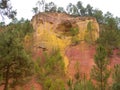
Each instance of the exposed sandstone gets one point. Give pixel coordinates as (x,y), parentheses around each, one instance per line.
(52,27)
(51,31)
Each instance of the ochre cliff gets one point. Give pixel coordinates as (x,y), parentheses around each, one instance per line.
(52,31)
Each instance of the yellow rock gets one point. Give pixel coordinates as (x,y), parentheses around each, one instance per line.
(52,31)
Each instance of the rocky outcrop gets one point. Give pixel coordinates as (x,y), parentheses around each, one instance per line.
(52,31)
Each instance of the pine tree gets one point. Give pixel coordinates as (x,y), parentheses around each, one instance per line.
(6,9)
(116,77)
(15,63)
(100,72)
(50,72)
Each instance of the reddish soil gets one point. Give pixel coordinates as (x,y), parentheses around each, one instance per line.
(115,59)
(38,54)
(31,85)
(84,55)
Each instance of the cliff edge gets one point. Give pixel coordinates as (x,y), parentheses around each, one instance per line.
(53,30)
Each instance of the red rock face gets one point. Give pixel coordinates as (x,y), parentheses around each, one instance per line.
(84,55)
(32,85)
(38,54)
(115,59)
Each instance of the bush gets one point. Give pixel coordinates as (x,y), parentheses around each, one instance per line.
(74,31)
(75,40)
(50,72)
(116,86)
(116,77)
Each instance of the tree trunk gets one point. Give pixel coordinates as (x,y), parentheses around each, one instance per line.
(101,77)
(6,79)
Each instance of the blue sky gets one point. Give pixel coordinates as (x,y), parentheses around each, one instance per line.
(24,7)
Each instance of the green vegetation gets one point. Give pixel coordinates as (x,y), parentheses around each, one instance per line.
(80,83)
(6,9)
(84,85)
(110,39)
(51,72)
(99,72)
(116,77)
(89,35)
(16,63)
(16,43)
(74,33)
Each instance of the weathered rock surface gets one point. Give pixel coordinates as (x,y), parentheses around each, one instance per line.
(51,31)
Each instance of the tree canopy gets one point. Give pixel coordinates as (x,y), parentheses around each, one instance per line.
(16,62)
(6,9)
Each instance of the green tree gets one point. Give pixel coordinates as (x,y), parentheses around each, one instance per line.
(117,19)
(69,8)
(110,39)
(79,82)
(110,21)
(100,72)
(89,10)
(2,24)
(72,9)
(79,5)
(51,71)
(89,37)
(75,11)
(81,9)
(74,33)
(116,77)
(61,10)
(6,9)
(35,10)
(50,7)
(70,84)
(40,5)
(16,63)
(84,85)
(14,21)
(98,14)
